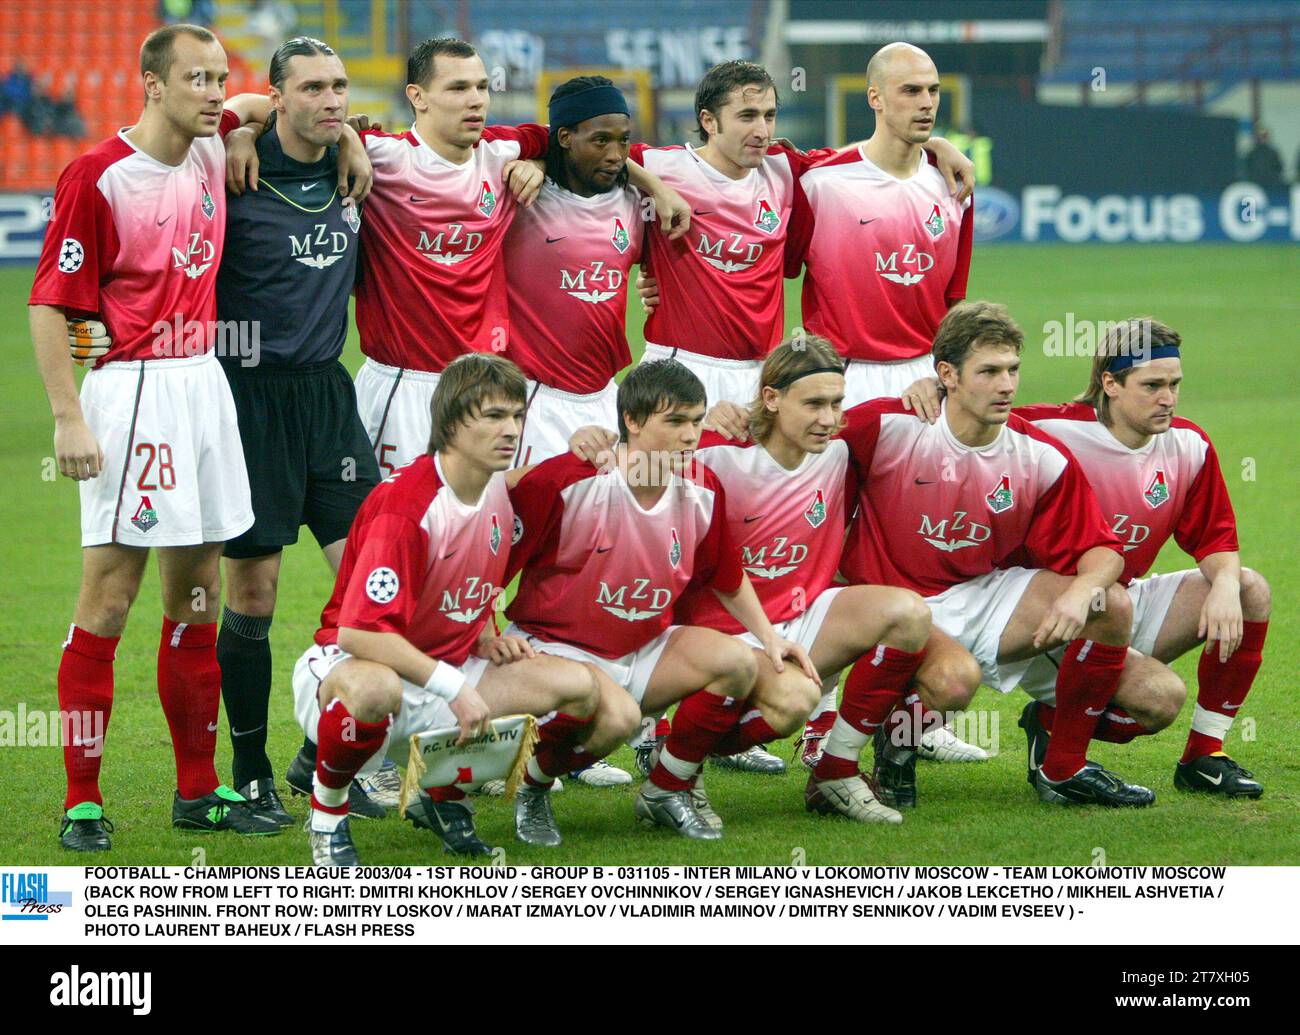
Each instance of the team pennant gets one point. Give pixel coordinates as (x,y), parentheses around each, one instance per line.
(435,759)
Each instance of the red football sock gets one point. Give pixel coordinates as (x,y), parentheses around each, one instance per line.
(86,701)
(189,685)
(701,721)
(1221,687)
(874,687)
(1046,715)
(909,720)
(820,725)
(662,728)
(1087,680)
(557,747)
(750,730)
(1116,726)
(343,744)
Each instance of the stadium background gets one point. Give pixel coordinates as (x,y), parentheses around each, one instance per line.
(1120,173)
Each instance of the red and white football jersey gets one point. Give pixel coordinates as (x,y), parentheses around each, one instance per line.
(421,563)
(934,512)
(1172,486)
(720,287)
(432,281)
(567,263)
(789,526)
(886,257)
(139,242)
(601,573)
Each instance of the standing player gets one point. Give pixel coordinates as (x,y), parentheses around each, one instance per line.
(993,522)
(887,250)
(607,553)
(291,257)
(1158,476)
(405,644)
(136,239)
(568,258)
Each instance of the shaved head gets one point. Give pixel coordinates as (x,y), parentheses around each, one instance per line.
(892,56)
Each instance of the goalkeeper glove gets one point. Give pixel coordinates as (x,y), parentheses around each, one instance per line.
(89,342)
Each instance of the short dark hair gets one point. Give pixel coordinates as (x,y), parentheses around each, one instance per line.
(556,169)
(159,48)
(969,324)
(720,80)
(420,65)
(299,46)
(656,386)
(465,384)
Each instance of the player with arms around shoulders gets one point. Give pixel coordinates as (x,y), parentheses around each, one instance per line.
(993,522)
(135,242)
(607,552)
(1156,476)
(407,642)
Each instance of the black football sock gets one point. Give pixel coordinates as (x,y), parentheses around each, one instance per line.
(244,653)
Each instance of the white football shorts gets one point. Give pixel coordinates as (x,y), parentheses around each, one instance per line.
(554,415)
(975,613)
(394,404)
(632,671)
(725,380)
(864,381)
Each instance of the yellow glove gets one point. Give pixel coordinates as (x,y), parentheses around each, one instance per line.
(88,341)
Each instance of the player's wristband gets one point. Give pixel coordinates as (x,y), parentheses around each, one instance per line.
(446,682)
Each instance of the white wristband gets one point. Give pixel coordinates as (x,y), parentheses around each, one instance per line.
(446,682)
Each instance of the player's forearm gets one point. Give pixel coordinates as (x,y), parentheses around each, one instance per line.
(744,607)
(1098,569)
(643,179)
(389,649)
(50,339)
(940,148)
(1222,568)
(250,107)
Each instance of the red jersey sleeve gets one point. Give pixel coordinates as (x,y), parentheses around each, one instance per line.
(717,558)
(539,508)
(861,431)
(637,153)
(229,121)
(532,139)
(80,243)
(956,289)
(387,576)
(1207,524)
(1067,523)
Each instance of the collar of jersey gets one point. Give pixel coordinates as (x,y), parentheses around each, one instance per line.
(302,208)
(862,153)
(660,503)
(467,508)
(433,155)
(808,460)
(716,174)
(121,134)
(1112,440)
(568,197)
(957,443)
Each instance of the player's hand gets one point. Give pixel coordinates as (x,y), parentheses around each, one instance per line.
(241,159)
(76,449)
(923,398)
(472,713)
(778,648)
(594,444)
(647,289)
(361,123)
(356,176)
(1065,617)
(88,341)
(956,168)
(673,212)
(1221,620)
(729,420)
(525,178)
(502,650)
(787,144)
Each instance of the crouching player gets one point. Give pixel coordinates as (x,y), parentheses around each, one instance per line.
(606,554)
(404,644)
(1157,476)
(993,522)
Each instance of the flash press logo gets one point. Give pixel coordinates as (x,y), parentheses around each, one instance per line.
(75,987)
(27,896)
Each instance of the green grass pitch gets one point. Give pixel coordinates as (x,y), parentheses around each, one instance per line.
(1235,306)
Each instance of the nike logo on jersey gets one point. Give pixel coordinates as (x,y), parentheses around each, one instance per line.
(704,212)
(419,201)
(446,556)
(162,222)
(752,517)
(920,481)
(864,222)
(307,186)
(552,240)
(603,549)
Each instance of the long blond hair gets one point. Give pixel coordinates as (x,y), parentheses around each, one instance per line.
(798,354)
(1135,336)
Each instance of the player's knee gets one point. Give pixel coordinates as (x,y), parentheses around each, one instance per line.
(1256,596)
(369,694)
(582,693)
(1114,621)
(909,625)
(738,666)
(948,685)
(252,596)
(621,715)
(787,700)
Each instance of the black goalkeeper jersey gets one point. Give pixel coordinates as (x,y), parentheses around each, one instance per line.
(290,259)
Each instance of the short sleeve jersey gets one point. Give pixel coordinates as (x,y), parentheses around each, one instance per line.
(1172,486)
(567,265)
(934,512)
(788,525)
(600,572)
(433,279)
(421,563)
(139,243)
(885,257)
(720,286)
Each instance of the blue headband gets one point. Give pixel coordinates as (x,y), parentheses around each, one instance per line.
(1130,359)
(573,108)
